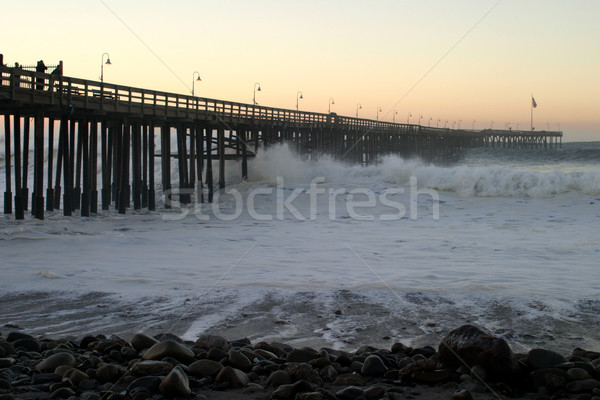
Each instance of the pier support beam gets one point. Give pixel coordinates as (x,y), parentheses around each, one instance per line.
(37,205)
(7,160)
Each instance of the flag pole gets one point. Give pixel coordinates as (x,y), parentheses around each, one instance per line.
(531,111)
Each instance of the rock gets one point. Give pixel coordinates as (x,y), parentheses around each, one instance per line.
(400,348)
(151,367)
(62,393)
(373,366)
(585,385)
(290,391)
(430,377)
(474,347)
(305,372)
(462,394)
(541,358)
(303,355)
(234,378)
(577,374)
(217,354)
(149,384)
(204,368)
(75,375)
(212,341)
(7,348)
(551,378)
(176,384)
(421,365)
(109,373)
(278,378)
(27,345)
(350,380)
(374,392)
(349,393)
(237,359)
(55,360)
(43,378)
(139,341)
(6,362)
(309,396)
(169,348)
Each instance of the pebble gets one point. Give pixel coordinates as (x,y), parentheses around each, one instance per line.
(577,374)
(139,341)
(169,348)
(176,384)
(56,360)
(151,367)
(234,378)
(373,366)
(238,360)
(542,358)
(462,394)
(585,385)
(204,368)
(349,393)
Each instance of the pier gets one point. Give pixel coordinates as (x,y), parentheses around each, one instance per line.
(118,133)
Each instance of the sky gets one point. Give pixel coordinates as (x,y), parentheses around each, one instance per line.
(473,63)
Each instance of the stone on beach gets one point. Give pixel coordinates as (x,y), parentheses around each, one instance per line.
(56,360)
(140,341)
(176,384)
(169,348)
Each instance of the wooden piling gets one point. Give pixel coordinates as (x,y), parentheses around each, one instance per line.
(37,205)
(25,166)
(7,170)
(50,166)
(151,190)
(209,169)
(221,154)
(93,173)
(84,167)
(199,161)
(19,206)
(67,133)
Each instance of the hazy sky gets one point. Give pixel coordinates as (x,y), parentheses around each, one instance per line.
(459,60)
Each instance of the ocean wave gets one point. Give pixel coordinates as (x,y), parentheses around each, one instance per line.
(467,181)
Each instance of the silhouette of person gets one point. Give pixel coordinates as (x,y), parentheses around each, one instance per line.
(41,67)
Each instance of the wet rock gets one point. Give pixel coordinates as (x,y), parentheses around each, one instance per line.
(204,368)
(151,367)
(75,375)
(462,394)
(212,341)
(62,393)
(430,377)
(303,355)
(175,384)
(169,348)
(373,366)
(586,385)
(577,374)
(374,392)
(290,391)
(27,345)
(350,380)
(349,393)
(56,360)
(541,358)
(234,378)
(421,365)
(6,362)
(39,379)
(552,378)
(476,347)
(278,378)
(309,396)
(109,373)
(304,372)
(237,359)
(7,348)
(217,354)
(139,341)
(149,384)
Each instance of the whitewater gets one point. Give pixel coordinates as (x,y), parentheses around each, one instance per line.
(398,251)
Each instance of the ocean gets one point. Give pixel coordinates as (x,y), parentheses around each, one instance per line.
(322,253)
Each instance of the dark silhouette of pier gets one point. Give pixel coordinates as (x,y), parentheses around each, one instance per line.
(120,126)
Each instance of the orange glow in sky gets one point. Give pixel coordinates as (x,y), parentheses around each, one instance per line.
(473,62)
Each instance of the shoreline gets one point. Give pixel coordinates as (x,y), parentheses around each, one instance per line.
(211,367)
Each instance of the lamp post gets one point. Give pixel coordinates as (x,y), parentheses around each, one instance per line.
(256,89)
(429,122)
(378,109)
(474,124)
(492,125)
(420,118)
(394,116)
(408,118)
(453,123)
(331,101)
(459,121)
(102,65)
(445,124)
(298,97)
(437,125)
(358,107)
(194,80)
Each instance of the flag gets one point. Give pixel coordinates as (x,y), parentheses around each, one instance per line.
(533,103)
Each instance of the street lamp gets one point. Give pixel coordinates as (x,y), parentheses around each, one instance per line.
(474,124)
(298,97)
(394,116)
(437,125)
(255,90)
(358,107)
(492,125)
(459,121)
(194,80)
(453,123)
(408,118)
(420,118)
(378,109)
(445,124)
(102,65)
(331,101)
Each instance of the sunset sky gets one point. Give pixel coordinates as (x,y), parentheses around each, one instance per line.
(460,60)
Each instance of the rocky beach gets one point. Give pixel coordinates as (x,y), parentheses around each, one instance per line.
(468,363)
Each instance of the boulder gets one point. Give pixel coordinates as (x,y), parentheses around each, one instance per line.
(471,345)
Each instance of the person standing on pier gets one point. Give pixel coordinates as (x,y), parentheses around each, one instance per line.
(41,67)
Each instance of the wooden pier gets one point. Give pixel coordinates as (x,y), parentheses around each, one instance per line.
(127,128)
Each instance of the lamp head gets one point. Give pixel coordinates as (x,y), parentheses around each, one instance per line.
(301,97)
(108,61)
(198,79)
